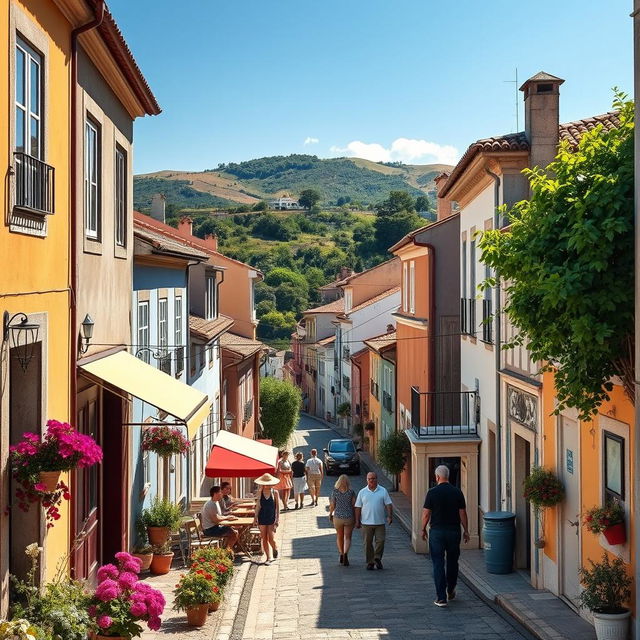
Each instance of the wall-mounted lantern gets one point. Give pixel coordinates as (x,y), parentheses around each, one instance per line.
(228,420)
(23,335)
(86,333)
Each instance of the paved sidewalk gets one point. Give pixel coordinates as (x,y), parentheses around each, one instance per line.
(544,615)
(306,594)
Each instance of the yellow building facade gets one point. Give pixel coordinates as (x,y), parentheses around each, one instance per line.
(35,256)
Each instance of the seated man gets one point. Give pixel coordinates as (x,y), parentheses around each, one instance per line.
(227,501)
(212,516)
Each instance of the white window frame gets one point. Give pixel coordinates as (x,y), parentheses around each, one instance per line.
(92,179)
(163,325)
(120,196)
(32,71)
(348,300)
(405,287)
(143,329)
(210,297)
(412,287)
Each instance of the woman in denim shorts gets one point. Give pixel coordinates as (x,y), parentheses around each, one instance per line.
(342,514)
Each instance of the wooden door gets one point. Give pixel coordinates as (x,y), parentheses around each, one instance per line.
(86,493)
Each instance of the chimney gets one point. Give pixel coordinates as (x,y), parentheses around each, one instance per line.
(390,328)
(158,202)
(345,272)
(542,117)
(211,240)
(185,227)
(444,209)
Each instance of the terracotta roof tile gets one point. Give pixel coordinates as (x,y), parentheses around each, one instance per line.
(209,329)
(335,306)
(240,345)
(573,131)
(380,296)
(381,342)
(327,341)
(164,243)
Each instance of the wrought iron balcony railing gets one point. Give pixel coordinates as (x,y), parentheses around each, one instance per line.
(444,413)
(487,321)
(179,360)
(34,184)
(468,316)
(164,362)
(386,401)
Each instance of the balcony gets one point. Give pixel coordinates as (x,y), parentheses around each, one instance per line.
(164,362)
(468,316)
(179,361)
(445,414)
(346,353)
(386,402)
(34,183)
(487,321)
(346,383)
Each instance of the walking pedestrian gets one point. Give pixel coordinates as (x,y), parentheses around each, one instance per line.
(283,469)
(342,513)
(445,510)
(314,476)
(372,508)
(299,480)
(267,513)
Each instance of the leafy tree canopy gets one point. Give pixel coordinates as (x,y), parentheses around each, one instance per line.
(280,404)
(279,275)
(568,263)
(397,202)
(309,198)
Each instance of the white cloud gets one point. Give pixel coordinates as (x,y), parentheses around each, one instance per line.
(309,140)
(407,150)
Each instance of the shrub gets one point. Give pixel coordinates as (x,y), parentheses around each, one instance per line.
(162,513)
(344,409)
(597,519)
(606,586)
(543,488)
(393,452)
(280,403)
(194,588)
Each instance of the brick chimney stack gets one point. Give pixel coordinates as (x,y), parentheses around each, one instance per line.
(542,117)
(443,209)
(211,240)
(345,272)
(185,227)
(158,202)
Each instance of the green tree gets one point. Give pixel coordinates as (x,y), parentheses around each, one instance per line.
(263,307)
(568,263)
(391,228)
(289,297)
(280,404)
(262,205)
(277,276)
(309,198)
(275,325)
(423,203)
(397,202)
(264,292)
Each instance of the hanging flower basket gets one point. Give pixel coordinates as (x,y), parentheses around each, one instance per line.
(542,488)
(37,462)
(165,441)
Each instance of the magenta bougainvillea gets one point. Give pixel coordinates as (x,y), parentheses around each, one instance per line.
(121,601)
(61,448)
(165,441)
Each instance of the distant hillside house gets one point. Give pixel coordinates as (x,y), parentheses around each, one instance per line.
(284,203)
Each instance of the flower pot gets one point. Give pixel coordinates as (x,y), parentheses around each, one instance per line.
(109,637)
(197,615)
(158,535)
(160,564)
(50,479)
(616,534)
(145,559)
(611,626)
(214,606)
(539,543)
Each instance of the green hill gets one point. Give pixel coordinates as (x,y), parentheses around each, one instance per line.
(349,179)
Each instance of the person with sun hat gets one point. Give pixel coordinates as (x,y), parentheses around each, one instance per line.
(267,513)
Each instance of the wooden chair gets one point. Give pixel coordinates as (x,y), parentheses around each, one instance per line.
(194,540)
(211,541)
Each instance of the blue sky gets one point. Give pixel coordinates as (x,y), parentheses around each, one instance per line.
(409,80)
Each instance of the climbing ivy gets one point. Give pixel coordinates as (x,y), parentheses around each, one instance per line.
(567,264)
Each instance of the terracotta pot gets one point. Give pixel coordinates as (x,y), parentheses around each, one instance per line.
(214,606)
(616,534)
(109,638)
(145,558)
(50,479)
(197,615)
(160,564)
(158,535)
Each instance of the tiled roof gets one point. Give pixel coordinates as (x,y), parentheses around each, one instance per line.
(163,243)
(410,236)
(569,131)
(381,342)
(336,306)
(209,329)
(367,303)
(240,345)
(355,276)
(327,341)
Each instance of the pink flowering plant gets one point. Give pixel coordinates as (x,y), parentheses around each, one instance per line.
(61,448)
(121,601)
(165,441)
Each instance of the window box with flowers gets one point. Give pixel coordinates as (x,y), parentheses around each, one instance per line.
(37,462)
(120,601)
(193,594)
(607,520)
(543,489)
(165,441)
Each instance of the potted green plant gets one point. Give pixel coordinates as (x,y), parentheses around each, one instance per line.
(165,441)
(142,549)
(192,594)
(608,520)
(393,452)
(161,560)
(217,562)
(607,587)
(543,489)
(18,629)
(161,518)
(344,409)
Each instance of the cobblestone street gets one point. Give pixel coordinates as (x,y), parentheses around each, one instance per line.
(307,594)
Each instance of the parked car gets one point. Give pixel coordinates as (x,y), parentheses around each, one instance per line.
(341,456)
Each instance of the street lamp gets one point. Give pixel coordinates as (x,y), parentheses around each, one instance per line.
(86,333)
(24,336)
(228,420)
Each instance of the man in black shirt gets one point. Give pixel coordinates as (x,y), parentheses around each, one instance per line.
(445,510)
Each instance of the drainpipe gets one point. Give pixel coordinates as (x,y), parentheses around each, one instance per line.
(496,315)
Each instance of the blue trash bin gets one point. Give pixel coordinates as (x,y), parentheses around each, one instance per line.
(499,536)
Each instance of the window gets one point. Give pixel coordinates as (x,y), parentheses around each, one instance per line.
(614,471)
(348,300)
(405,286)
(121,197)
(28,102)
(164,362)
(210,354)
(143,330)
(321,369)
(412,287)
(472,269)
(178,336)
(91,179)
(463,271)
(210,298)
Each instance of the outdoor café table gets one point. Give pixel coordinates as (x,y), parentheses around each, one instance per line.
(242,525)
(243,511)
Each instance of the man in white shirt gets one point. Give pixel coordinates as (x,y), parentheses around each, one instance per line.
(313,469)
(212,515)
(373,507)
